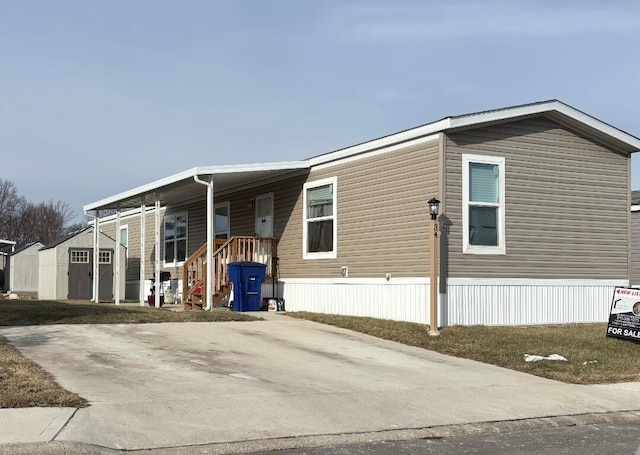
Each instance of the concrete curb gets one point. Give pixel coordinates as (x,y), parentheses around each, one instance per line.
(55,427)
(299,442)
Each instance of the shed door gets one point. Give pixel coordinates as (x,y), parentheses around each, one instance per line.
(80,274)
(105,259)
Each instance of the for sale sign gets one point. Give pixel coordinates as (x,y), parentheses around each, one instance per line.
(624,317)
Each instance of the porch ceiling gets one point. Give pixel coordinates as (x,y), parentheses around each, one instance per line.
(182,187)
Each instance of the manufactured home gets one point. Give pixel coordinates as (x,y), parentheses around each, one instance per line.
(533,224)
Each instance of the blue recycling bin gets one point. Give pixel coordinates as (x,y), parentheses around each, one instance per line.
(247,279)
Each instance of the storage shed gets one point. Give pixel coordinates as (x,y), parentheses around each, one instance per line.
(66,267)
(21,274)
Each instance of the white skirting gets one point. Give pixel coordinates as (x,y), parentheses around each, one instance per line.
(399,299)
(467,302)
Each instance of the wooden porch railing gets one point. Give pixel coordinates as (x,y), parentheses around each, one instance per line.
(236,249)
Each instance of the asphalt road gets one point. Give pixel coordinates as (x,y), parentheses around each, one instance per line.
(590,439)
(620,439)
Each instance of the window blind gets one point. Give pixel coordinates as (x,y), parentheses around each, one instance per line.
(483,183)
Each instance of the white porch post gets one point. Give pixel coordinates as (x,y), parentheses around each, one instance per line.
(157,238)
(210,221)
(143,250)
(210,227)
(117,271)
(96,257)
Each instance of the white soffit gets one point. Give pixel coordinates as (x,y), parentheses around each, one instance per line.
(224,177)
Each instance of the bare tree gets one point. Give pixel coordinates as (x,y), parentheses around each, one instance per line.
(25,222)
(45,222)
(11,208)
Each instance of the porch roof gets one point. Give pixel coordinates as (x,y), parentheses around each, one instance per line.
(225,178)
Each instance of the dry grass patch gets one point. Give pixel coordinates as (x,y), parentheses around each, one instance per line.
(24,384)
(39,312)
(616,360)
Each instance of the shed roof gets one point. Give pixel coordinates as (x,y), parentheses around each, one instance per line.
(26,247)
(71,235)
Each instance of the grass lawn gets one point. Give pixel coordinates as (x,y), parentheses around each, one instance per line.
(24,383)
(615,360)
(37,312)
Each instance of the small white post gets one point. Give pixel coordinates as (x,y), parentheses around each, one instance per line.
(211,215)
(157,282)
(143,250)
(118,246)
(96,258)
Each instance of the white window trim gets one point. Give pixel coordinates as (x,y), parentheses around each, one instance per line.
(105,254)
(125,227)
(226,204)
(74,260)
(501,248)
(324,254)
(164,239)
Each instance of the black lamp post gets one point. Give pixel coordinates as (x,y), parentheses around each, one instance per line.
(433,208)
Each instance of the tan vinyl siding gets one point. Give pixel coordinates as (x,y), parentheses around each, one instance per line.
(242,212)
(133,251)
(566,203)
(382,217)
(635,248)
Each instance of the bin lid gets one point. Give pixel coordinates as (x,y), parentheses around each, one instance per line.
(247,264)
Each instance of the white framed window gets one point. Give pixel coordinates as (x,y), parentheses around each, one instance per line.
(79,257)
(222,221)
(124,240)
(104,257)
(175,239)
(483,205)
(320,219)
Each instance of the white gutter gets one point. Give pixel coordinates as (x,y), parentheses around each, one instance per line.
(210,218)
(117,253)
(96,257)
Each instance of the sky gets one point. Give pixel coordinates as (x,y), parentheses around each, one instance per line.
(98,97)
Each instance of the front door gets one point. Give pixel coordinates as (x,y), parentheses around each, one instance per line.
(264,226)
(264,215)
(80,274)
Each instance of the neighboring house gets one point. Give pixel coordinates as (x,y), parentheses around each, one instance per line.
(22,271)
(635,238)
(66,268)
(534,208)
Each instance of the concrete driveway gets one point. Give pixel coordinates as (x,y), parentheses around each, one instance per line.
(178,384)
